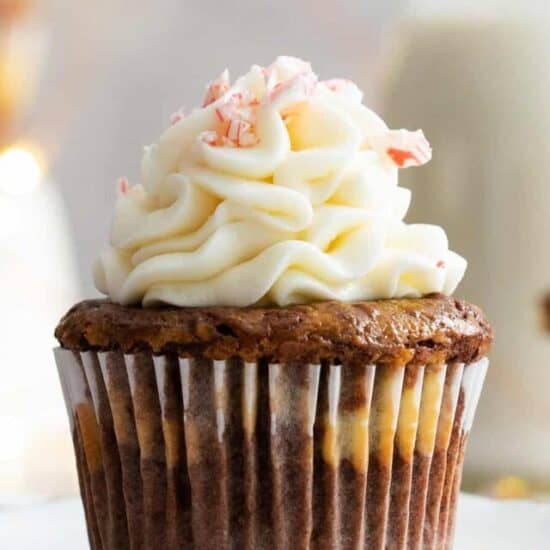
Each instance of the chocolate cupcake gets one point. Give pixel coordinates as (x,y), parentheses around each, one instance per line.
(279,363)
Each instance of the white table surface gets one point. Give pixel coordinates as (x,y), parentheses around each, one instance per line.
(483,524)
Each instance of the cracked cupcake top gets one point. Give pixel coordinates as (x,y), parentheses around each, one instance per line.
(434,329)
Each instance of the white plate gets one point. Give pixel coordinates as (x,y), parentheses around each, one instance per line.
(483,524)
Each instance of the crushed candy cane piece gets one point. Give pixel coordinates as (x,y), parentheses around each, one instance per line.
(243,99)
(177,116)
(216,89)
(235,115)
(221,114)
(287,62)
(337,84)
(234,133)
(403,147)
(233,129)
(123,186)
(293,90)
(209,136)
(441,264)
(248,139)
(234,119)
(237,128)
(237,105)
(345,88)
(284,69)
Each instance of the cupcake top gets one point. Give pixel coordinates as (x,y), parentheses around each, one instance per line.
(281,189)
(428,330)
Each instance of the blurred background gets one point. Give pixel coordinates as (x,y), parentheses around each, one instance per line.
(85,85)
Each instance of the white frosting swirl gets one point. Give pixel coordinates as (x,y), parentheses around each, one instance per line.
(277,191)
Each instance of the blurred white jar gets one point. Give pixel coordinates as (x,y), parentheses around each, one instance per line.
(38,284)
(480,89)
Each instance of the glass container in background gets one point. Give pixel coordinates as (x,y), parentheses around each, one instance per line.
(37,276)
(479,87)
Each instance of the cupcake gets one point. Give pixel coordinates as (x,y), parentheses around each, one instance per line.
(279,362)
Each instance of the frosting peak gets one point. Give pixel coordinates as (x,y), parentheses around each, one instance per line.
(280,189)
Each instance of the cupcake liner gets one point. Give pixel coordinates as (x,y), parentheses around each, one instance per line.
(200,454)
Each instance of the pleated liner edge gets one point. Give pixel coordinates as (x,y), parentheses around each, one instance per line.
(183,453)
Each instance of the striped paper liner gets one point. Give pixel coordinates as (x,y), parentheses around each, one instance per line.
(180,453)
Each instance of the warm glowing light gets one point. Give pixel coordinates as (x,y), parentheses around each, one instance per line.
(20,171)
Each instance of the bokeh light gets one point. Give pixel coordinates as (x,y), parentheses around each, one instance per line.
(20,170)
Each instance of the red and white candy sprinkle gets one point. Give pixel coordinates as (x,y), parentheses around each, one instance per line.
(123,186)
(402,147)
(177,117)
(216,89)
(337,84)
(235,120)
(301,84)
(285,63)
(235,116)
(210,137)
